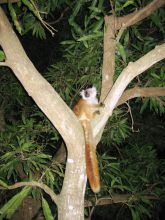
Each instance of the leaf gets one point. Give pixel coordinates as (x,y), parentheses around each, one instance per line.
(2,56)
(144,211)
(145,104)
(146,201)
(144,179)
(76,8)
(126,39)
(3,184)
(68,42)
(14,18)
(46,210)
(30,7)
(76,27)
(85,44)
(95,9)
(135,214)
(115,166)
(154,75)
(97,26)
(38,30)
(113,181)
(34,164)
(122,52)
(91,36)
(127,3)
(12,205)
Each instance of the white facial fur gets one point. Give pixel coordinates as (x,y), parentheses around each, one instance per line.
(91,98)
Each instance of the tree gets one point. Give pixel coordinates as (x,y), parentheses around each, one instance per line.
(70,201)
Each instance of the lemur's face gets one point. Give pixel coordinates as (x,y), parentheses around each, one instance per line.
(89,93)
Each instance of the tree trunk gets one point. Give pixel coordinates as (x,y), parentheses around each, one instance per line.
(71,199)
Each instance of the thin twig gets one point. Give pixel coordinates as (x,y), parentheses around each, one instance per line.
(45,24)
(131,116)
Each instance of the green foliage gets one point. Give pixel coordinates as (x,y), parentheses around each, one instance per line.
(134,43)
(117,129)
(2,56)
(122,5)
(82,54)
(122,52)
(138,211)
(32,15)
(80,67)
(46,210)
(140,168)
(2,183)
(29,138)
(23,154)
(157,77)
(31,6)
(23,150)
(110,169)
(31,23)
(154,78)
(14,18)
(137,173)
(15,96)
(91,28)
(158,20)
(53,175)
(22,157)
(12,205)
(27,142)
(22,114)
(154,104)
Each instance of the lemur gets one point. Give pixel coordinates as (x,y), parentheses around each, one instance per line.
(86,109)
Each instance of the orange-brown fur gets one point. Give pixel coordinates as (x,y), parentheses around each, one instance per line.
(86,111)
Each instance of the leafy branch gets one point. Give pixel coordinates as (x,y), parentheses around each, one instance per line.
(44,187)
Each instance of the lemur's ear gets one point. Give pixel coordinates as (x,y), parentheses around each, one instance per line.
(94,89)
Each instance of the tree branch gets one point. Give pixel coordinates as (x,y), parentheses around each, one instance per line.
(61,116)
(112,24)
(108,67)
(44,187)
(139,15)
(37,87)
(122,198)
(141,92)
(128,74)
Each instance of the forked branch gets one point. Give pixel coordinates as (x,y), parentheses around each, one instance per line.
(112,25)
(127,75)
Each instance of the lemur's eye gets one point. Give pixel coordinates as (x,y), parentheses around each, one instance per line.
(87,94)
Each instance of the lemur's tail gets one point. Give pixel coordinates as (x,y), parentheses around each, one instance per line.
(91,158)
